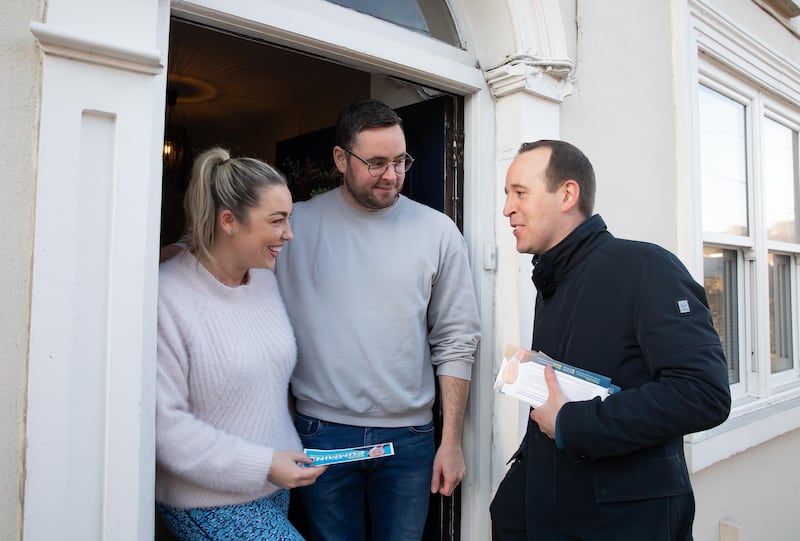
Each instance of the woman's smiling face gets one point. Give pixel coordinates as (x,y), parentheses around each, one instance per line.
(258,242)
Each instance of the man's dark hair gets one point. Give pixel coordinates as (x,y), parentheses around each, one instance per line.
(567,162)
(360,116)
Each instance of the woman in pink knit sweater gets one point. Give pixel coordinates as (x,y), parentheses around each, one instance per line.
(226,447)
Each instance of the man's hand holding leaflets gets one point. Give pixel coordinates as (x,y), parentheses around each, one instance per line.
(522,376)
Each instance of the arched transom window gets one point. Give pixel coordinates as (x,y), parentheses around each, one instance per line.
(429,17)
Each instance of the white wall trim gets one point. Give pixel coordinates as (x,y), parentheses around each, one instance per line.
(748,427)
(90,435)
(723,40)
(326,29)
(479,202)
(61,42)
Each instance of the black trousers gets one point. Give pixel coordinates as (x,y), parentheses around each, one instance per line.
(507,509)
(658,519)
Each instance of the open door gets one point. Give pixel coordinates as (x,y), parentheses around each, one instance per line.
(432,137)
(432,130)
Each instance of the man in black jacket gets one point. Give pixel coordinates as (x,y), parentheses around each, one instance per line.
(613,469)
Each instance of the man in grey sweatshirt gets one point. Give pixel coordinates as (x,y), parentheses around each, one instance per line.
(379,291)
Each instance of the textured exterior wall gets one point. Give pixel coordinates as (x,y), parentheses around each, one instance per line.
(19,117)
(621,114)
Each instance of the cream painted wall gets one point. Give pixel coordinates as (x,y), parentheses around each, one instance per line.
(759,488)
(621,113)
(19,117)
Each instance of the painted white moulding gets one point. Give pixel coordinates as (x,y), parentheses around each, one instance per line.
(59,42)
(723,40)
(542,78)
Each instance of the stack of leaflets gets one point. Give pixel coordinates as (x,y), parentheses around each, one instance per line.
(521,376)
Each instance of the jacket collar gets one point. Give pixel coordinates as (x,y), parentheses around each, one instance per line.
(550,267)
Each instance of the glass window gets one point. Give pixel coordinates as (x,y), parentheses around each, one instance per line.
(780,313)
(781,182)
(751,228)
(721,283)
(430,17)
(723,163)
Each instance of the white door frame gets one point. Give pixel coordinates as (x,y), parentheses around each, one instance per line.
(90,424)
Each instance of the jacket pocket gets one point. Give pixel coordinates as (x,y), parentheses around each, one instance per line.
(641,478)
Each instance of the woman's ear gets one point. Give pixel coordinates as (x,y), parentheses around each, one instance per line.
(227,222)
(340,159)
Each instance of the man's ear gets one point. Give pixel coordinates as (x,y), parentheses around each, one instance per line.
(571,192)
(340,159)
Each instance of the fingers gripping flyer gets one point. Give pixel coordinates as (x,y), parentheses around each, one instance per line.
(521,376)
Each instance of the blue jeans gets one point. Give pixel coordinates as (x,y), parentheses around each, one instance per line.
(395,490)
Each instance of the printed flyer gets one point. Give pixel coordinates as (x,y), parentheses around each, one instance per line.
(324,457)
(521,376)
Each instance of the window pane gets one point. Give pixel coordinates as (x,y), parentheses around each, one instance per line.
(780,312)
(781,181)
(430,17)
(720,281)
(723,164)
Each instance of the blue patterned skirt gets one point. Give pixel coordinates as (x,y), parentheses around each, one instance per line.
(260,520)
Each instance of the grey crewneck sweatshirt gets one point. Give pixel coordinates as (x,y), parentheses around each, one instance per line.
(379,301)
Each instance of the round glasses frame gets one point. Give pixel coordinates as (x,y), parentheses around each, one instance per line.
(380,166)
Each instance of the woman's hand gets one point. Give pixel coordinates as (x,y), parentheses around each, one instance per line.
(286,471)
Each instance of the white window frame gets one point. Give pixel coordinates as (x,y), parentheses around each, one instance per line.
(778,112)
(789,378)
(722,83)
(755,245)
(739,389)
(729,61)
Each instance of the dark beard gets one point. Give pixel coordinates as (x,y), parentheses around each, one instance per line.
(366,198)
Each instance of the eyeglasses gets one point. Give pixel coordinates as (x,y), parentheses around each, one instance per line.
(378,167)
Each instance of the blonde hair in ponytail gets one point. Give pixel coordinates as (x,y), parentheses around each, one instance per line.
(219,183)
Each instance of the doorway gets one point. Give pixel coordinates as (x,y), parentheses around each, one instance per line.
(278,105)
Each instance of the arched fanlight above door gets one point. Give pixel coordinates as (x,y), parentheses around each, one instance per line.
(430,17)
